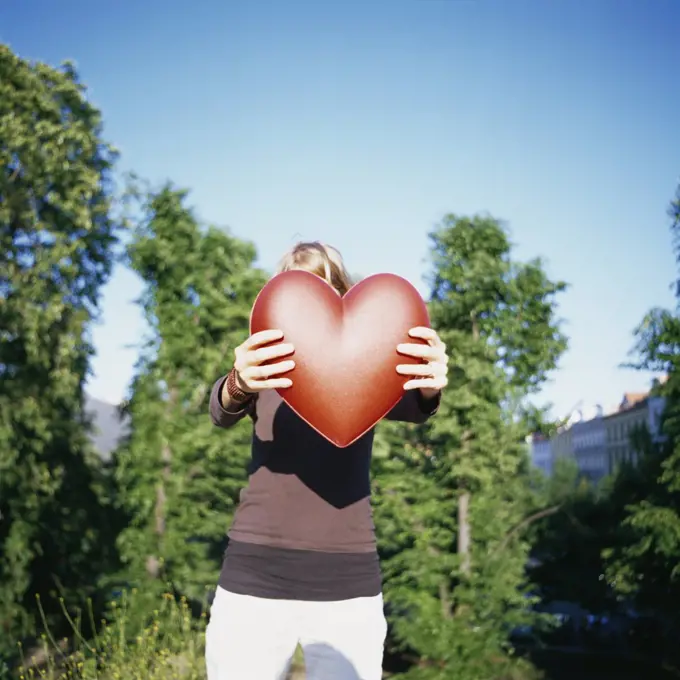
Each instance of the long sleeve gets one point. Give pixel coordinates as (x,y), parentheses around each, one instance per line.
(219,415)
(414,408)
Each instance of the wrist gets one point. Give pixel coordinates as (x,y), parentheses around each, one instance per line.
(237,392)
(428,393)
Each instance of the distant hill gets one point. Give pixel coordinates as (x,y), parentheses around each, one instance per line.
(108,428)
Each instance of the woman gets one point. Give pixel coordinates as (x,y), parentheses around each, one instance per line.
(302,564)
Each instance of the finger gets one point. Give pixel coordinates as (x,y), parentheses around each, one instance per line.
(438,383)
(259,356)
(268,370)
(428,334)
(274,384)
(426,370)
(262,338)
(419,351)
(423,332)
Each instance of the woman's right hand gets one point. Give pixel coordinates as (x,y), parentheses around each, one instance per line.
(251,375)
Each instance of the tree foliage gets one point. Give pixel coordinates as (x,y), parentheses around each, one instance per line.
(646,564)
(178,477)
(451,501)
(616,549)
(57,235)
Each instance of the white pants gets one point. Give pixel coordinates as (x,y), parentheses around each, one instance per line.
(250,638)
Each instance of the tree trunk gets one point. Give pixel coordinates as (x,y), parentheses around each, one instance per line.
(464,531)
(153,563)
(464,498)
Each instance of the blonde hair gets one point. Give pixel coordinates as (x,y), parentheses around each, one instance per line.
(320,259)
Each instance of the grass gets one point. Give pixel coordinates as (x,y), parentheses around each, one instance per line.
(169,645)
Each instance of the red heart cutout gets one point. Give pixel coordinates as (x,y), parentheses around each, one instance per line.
(345,378)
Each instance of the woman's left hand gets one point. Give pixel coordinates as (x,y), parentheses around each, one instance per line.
(429,377)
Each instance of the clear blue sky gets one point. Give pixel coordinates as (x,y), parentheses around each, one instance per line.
(363,122)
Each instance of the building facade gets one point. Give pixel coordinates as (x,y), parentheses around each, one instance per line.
(655,407)
(597,442)
(589,445)
(541,453)
(561,442)
(636,411)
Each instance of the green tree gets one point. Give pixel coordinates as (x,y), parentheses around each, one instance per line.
(567,547)
(56,240)
(646,564)
(178,476)
(452,497)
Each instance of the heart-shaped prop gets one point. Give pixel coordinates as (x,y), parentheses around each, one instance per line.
(345,378)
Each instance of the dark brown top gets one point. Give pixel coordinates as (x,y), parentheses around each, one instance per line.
(304,527)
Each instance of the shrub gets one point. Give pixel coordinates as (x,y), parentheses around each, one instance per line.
(168,645)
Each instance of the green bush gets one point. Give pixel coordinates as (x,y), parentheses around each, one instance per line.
(169,644)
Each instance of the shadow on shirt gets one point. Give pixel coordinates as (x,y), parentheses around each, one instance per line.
(285,444)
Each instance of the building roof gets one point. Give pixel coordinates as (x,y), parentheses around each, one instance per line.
(631,399)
